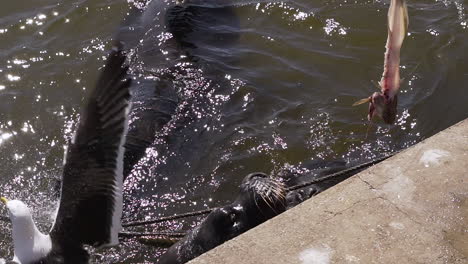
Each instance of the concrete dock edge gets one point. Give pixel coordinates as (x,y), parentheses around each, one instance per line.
(411,208)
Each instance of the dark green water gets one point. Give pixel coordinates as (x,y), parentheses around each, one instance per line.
(282,95)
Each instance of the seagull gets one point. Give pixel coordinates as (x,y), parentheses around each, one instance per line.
(90,206)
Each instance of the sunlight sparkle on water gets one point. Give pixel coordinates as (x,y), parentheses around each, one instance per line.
(4,136)
(13,78)
(301,16)
(19,62)
(18,156)
(27,128)
(333,26)
(433,32)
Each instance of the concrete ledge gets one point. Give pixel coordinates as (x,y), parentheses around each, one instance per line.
(411,208)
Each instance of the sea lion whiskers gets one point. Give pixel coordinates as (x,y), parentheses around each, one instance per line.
(263,198)
(258,189)
(278,189)
(268,202)
(271,192)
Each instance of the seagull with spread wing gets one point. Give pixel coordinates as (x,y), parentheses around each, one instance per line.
(90,204)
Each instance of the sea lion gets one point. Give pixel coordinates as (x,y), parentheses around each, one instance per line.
(260,199)
(163,40)
(153,104)
(165,33)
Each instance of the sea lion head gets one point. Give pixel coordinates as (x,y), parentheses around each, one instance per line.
(260,199)
(261,195)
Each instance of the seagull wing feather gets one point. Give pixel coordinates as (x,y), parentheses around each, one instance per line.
(91,192)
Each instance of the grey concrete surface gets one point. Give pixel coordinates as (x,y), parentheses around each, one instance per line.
(411,208)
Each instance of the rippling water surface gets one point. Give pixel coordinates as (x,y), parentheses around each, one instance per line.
(278,93)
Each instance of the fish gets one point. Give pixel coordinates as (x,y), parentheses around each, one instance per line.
(384,103)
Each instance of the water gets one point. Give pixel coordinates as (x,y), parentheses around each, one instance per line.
(279,94)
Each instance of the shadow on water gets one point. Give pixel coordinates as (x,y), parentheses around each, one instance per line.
(257,87)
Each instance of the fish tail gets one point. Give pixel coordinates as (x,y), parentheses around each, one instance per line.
(405,13)
(397,22)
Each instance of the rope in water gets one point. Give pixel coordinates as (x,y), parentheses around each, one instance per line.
(168,218)
(142,234)
(340,173)
(125,234)
(292,188)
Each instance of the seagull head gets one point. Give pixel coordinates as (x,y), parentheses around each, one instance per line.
(30,243)
(18,210)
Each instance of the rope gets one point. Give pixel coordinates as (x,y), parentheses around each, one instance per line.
(168,218)
(292,188)
(143,234)
(340,173)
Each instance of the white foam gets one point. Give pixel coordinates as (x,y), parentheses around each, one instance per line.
(316,255)
(433,157)
(2,261)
